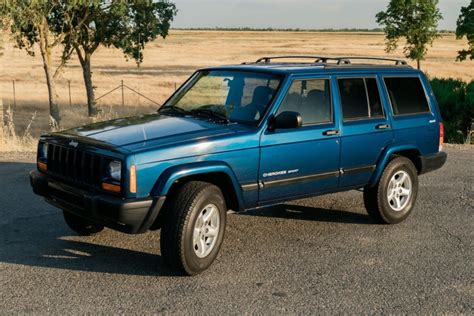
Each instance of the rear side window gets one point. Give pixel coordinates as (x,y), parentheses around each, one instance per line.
(406,95)
(360,98)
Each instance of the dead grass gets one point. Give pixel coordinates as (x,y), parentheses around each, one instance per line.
(169,62)
(10,140)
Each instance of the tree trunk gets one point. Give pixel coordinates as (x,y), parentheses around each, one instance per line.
(2,120)
(47,66)
(2,116)
(85,60)
(418,64)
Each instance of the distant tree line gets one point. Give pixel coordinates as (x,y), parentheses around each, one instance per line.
(303,30)
(273,29)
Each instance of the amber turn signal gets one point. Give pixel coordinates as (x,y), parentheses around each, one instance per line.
(42,166)
(111,187)
(133,179)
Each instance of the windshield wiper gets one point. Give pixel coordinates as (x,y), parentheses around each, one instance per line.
(173,109)
(210,114)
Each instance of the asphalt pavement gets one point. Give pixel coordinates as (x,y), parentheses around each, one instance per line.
(319,255)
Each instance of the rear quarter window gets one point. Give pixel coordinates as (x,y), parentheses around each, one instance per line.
(407,95)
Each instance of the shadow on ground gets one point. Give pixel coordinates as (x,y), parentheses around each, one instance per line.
(33,233)
(308,213)
(55,249)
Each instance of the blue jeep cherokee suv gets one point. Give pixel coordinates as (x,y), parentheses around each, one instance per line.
(243,137)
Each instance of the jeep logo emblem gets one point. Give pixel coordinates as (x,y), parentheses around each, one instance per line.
(73,144)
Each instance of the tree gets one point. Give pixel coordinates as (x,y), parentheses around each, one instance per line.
(1,62)
(127,25)
(465,27)
(29,23)
(414,20)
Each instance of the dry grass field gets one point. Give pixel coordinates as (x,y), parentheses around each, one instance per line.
(169,62)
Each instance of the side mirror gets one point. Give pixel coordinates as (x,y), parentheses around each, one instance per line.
(286,120)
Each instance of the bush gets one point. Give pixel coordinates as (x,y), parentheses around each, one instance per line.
(456,103)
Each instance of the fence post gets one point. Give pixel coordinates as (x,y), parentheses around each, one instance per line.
(123,96)
(69,88)
(175,86)
(14,93)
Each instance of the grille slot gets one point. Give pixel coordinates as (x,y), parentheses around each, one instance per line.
(76,166)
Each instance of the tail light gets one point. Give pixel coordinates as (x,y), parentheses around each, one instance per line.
(441,136)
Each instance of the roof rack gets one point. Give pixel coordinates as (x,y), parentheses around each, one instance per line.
(338,60)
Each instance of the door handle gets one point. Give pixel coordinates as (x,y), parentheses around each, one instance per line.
(331,132)
(382,126)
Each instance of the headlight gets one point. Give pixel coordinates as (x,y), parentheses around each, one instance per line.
(115,170)
(43,151)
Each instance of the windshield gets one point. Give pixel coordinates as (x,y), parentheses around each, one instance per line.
(237,96)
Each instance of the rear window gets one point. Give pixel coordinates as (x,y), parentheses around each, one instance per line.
(406,95)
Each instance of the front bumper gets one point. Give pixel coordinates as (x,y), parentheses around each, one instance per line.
(433,162)
(130,216)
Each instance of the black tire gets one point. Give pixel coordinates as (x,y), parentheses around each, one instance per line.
(81,226)
(180,217)
(376,200)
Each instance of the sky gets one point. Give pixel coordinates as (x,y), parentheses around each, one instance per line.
(304,14)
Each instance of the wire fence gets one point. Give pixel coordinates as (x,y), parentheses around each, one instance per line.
(19,93)
(122,87)
(26,107)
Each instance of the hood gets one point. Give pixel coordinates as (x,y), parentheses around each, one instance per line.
(146,128)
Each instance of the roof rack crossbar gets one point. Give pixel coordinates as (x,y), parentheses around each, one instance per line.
(398,62)
(338,60)
(269,59)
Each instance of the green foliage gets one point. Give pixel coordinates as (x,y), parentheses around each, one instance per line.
(414,20)
(456,103)
(465,27)
(29,24)
(25,18)
(126,25)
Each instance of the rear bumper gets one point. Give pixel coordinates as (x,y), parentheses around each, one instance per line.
(131,216)
(433,162)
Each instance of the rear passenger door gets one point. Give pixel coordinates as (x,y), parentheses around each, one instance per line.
(365,131)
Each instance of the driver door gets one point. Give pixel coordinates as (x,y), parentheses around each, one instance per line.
(302,161)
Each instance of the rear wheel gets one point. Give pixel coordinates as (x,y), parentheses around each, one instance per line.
(81,226)
(193,227)
(393,198)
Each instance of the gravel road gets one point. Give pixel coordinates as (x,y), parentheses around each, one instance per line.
(320,255)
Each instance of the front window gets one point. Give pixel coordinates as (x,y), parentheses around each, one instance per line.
(311,99)
(237,96)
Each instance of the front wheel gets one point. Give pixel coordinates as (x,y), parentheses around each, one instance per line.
(394,196)
(193,228)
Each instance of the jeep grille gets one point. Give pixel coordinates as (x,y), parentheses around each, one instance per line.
(76,166)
